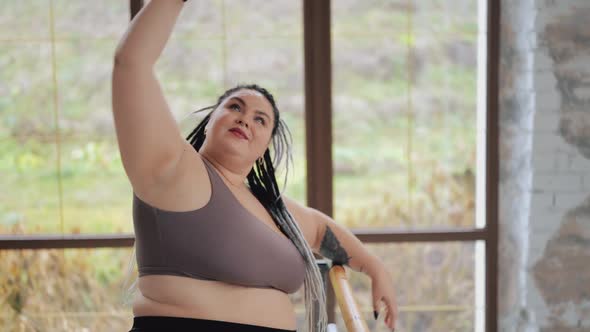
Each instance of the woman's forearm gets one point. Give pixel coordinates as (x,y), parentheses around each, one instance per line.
(148,32)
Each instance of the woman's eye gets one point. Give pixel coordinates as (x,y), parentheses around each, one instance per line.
(235,106)
(261,120)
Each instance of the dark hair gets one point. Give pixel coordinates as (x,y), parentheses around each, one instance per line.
(262,183)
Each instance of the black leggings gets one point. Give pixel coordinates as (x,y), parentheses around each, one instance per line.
(182,324)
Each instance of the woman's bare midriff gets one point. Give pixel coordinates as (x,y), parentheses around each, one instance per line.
(166,295)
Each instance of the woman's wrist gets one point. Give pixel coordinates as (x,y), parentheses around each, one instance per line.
(373,266)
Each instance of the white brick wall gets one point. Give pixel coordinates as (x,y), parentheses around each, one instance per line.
(577,163)
(560,179)
(544,82)
(546,122)
(542,61)
(543,201)
(567,201)
(549,143)
(548,101)
(558,183)
(561,176)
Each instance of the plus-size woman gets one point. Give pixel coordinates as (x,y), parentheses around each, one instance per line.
(219,248)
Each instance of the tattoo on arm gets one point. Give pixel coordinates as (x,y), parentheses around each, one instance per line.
(331,248)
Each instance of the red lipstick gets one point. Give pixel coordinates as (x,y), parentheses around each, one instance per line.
(239,132)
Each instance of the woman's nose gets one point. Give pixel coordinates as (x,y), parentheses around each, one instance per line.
(241,122)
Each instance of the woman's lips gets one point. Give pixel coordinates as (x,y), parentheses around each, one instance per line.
(239,133)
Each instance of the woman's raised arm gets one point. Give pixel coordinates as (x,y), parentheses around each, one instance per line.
(150,141)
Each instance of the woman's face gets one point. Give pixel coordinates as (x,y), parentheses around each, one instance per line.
(242,124)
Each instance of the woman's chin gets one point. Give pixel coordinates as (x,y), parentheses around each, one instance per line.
(234,148)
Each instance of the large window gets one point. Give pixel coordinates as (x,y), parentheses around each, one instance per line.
(412,148)
(405,113)
(405,144)
(62,173)
(60,166)
(408,97)
(64,290)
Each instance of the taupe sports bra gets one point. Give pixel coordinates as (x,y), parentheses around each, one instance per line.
(220,241)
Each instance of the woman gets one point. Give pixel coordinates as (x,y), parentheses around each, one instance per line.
(215,253)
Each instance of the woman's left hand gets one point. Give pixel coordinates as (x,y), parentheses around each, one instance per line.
(382,289)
